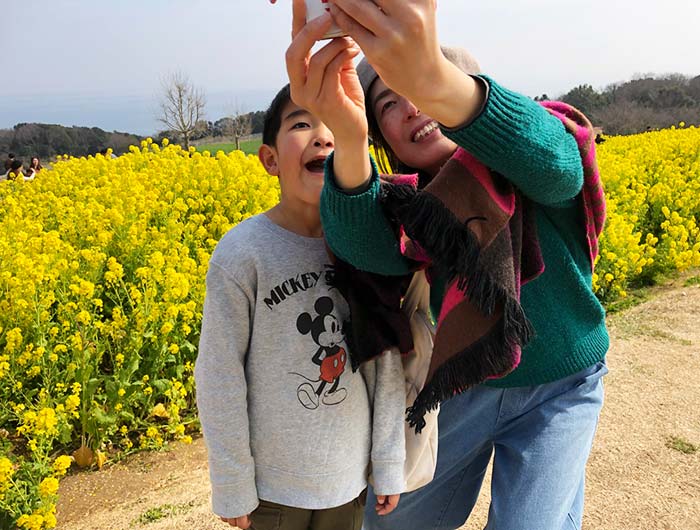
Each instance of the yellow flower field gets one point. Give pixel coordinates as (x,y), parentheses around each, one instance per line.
(102,269)
(652,187)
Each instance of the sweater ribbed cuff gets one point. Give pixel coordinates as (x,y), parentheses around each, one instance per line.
(234,500)
(355,226)
(388,478)
(356,205)
(489,133)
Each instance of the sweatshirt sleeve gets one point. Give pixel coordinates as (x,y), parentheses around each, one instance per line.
(221,394)
(519,139)
(356,228)
(385,381)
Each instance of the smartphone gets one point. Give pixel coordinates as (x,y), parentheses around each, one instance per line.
(316,8)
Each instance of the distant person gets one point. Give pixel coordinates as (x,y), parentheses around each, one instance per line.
(106,153)
(15,172)
(8,162)
(36,164)
(33,169)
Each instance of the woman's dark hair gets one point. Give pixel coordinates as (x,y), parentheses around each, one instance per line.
(383,151)
(387,160)
(273,116)
(38,163)
(16,164)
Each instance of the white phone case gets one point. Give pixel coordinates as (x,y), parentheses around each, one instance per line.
(316,8)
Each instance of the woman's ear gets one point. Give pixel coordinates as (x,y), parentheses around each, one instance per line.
(268,157)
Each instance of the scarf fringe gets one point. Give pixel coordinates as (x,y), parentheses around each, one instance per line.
(495,354)
(452,246)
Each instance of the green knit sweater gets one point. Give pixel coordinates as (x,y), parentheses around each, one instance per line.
(517,138)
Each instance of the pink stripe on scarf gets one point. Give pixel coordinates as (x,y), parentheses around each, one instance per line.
(592,193)
(481,173)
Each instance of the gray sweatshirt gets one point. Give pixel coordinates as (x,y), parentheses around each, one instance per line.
(284,417)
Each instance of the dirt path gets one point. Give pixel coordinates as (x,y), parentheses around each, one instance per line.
(639,476)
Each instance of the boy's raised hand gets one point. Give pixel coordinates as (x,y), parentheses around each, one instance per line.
(326,84)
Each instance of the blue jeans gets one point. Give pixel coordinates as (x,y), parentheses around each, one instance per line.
(540,437)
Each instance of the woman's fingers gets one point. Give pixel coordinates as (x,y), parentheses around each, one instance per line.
(366,14)
(349,25)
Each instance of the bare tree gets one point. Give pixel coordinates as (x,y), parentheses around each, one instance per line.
(238,125)
(181,106)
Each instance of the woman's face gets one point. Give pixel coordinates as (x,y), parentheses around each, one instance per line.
(35,162)
(415,138)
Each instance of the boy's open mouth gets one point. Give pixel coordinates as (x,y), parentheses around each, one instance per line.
(315,165)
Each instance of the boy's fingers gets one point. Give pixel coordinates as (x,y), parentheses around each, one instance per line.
(322,62)
(338,63)
(393,501)
(298,52)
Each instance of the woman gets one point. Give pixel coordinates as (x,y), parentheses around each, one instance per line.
(33,169)
(478,144)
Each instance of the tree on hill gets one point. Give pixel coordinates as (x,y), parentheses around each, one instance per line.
(181,107)
(238,125)
(585,98)
(644,103)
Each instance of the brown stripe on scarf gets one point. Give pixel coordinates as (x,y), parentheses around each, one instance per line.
(469,223)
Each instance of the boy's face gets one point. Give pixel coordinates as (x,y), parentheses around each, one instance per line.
(303,143)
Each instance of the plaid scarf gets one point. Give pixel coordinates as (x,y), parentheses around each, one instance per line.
(470,226)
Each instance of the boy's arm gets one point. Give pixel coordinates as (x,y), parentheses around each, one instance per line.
(387,391)
(519,139)
(327,85)
(355,227)
(221,394)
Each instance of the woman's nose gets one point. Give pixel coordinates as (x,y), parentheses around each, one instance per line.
(410,110)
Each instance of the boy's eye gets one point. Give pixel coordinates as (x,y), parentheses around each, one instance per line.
(300,125)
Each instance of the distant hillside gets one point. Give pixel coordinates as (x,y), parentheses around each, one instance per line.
(649,102)
(44,140)
(641,104)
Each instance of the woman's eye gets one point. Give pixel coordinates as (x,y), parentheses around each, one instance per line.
(387,105)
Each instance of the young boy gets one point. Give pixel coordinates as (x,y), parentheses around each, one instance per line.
(290,429)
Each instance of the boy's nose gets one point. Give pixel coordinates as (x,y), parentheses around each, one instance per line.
(323,141)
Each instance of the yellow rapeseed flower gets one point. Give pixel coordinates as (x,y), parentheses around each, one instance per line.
(48,487)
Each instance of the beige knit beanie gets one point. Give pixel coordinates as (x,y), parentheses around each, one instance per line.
(457,56)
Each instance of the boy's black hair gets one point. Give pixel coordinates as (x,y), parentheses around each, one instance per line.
(273,116)
(16,164)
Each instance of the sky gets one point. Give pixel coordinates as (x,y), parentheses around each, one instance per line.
(101,63)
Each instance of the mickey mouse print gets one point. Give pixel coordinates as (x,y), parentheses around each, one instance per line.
(329,356)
